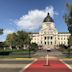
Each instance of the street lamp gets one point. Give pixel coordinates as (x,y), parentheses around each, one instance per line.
(29,51)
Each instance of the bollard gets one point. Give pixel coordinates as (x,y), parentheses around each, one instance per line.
(47,63)
(47,59)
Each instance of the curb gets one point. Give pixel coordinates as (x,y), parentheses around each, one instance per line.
(66,64)
(67,59)
(24,58)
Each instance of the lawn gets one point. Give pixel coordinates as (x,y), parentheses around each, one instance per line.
(15,53)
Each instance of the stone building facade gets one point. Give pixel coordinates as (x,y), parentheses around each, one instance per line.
(48,36)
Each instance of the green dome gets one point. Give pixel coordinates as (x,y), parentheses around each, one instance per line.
(48,18)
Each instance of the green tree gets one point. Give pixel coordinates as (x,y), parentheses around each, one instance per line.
(68,17)
(68,20)
(1,31)
(19,39)
(10,40)
(70,40)
(34,47)
(23,39)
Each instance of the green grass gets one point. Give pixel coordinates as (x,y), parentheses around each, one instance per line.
(21,51)
(15,53)
(68,57)
(8,57)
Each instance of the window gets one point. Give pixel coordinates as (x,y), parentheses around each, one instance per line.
(41,42)
(61,38)
(48,43)
(45,37)
(64,38)
(51,37)
(51,43)
(44,32)
(45,42)
(58,38)
(64,42)
(55,42)
(55,38)
(48,37)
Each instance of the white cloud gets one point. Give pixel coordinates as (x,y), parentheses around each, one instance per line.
(7,31)
(33,20)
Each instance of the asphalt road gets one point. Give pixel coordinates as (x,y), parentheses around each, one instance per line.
(10,69)
(13,65)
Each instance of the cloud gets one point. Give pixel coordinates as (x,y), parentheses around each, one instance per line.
(5,33)
(33,20)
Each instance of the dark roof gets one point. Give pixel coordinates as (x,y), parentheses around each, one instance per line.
(63,32)
(48,18)
(34,33)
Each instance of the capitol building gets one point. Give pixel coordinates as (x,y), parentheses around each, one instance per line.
(48,36)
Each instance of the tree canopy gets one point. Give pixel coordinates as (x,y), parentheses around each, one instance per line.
(68,17)
(68,20)
(1,31)
(18,39)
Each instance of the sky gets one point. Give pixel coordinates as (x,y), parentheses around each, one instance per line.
(28,15)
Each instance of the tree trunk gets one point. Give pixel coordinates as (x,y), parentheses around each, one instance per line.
(10,47)
(24,46)
(4,48)
(17,47)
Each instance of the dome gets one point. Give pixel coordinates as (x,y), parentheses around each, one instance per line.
(48,18)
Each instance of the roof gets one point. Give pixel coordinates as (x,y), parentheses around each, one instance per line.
(48,18)
(34,33)
(63,32)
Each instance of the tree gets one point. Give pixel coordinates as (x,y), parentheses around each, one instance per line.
(1,31)
(34,46)
(19,39)
(1,45)
(68,20)
(68,17)
(23,38)
(10,40)
(70,40)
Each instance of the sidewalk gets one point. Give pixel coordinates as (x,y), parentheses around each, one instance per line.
(54,66)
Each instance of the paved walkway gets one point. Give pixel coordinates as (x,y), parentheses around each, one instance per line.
(54,66)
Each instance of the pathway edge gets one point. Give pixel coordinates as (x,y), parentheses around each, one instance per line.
(66,64)
(28,65)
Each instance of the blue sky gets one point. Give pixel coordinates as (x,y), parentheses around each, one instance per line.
(17,14)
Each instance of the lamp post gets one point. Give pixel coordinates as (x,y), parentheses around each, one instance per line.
(29,51)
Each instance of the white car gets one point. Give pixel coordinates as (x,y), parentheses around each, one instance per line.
(48,49)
